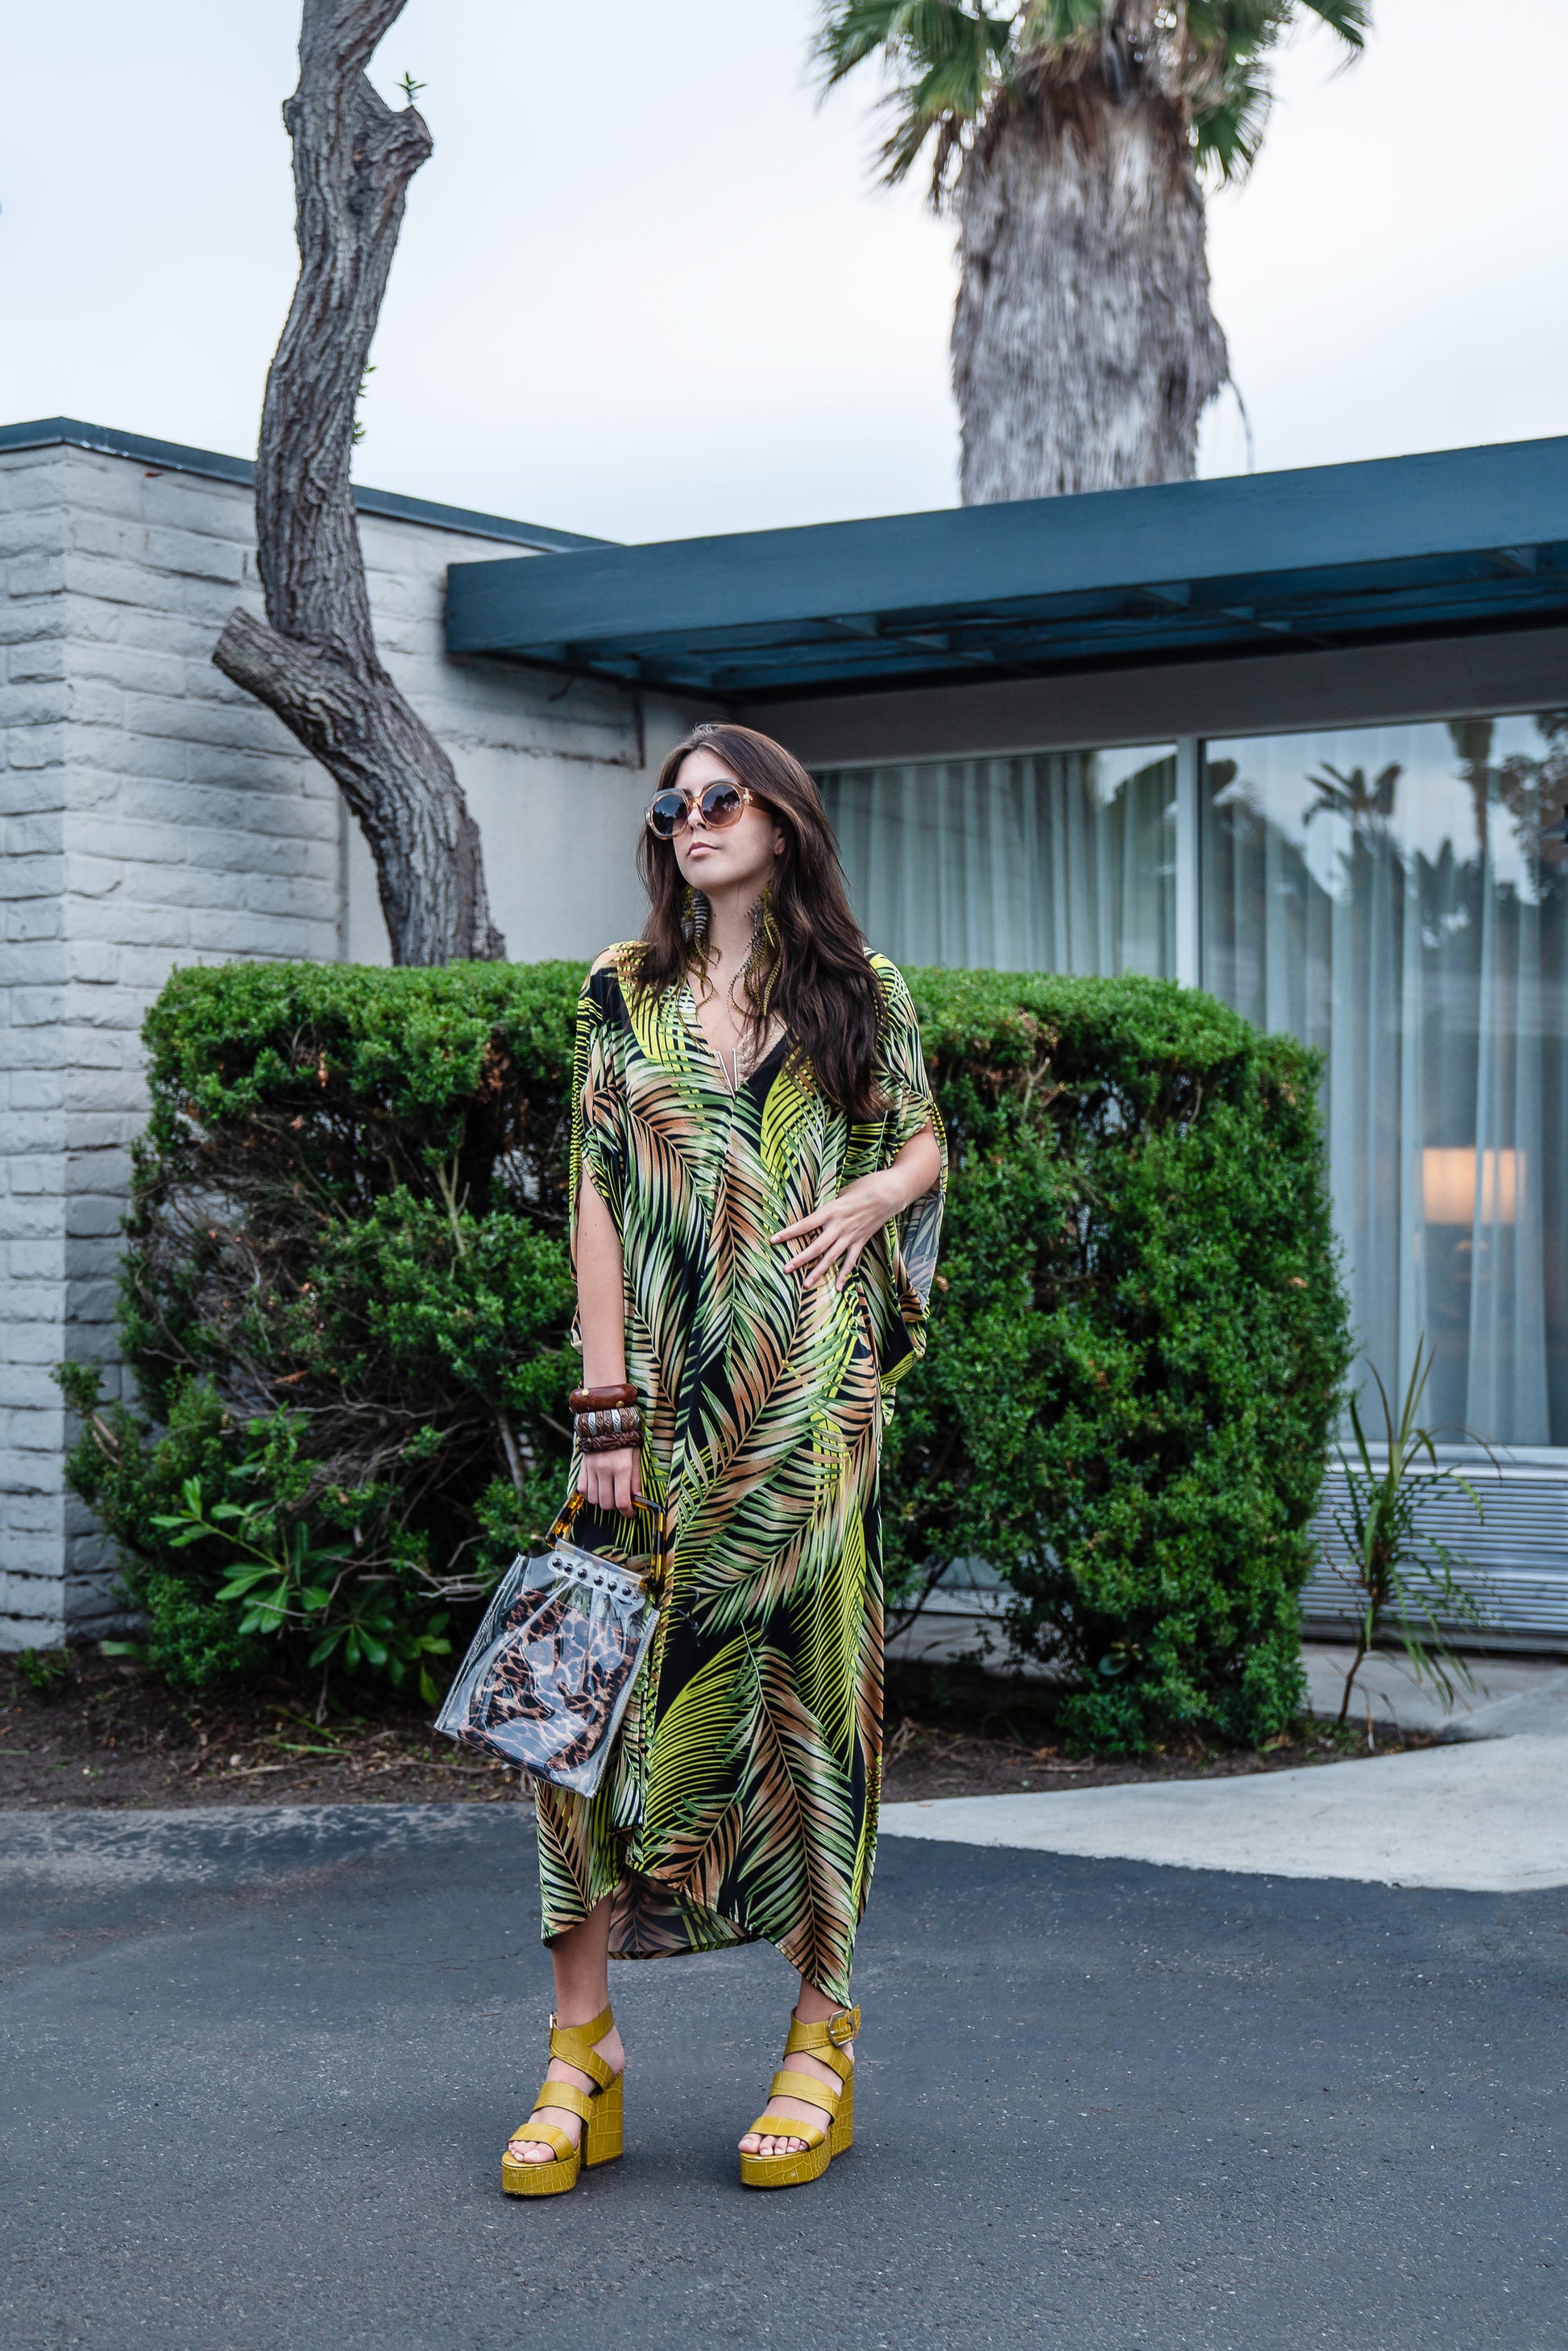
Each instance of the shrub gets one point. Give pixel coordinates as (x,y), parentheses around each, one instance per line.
(1138,1357)
(346,1302)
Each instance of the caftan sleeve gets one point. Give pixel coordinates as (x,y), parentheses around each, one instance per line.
(901,1294)
(598,1104)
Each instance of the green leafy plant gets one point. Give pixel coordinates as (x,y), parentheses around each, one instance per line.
(275,1582)
(44,1670)
(1138,1351)
(346,1302)
(1406,1583)
(284,1577)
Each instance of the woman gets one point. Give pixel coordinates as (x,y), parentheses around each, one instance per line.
(757,1169)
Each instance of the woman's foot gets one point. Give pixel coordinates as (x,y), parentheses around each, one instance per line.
(533,2150)
(797,2110)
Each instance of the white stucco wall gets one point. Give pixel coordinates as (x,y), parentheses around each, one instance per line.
(151,816)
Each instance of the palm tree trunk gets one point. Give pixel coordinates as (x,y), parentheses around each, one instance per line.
(1084,348)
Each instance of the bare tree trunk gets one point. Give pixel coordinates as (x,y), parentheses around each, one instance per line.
(1084,348)
(314,660)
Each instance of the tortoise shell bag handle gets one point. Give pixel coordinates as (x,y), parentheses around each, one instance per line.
(648,1566)
(566,1516)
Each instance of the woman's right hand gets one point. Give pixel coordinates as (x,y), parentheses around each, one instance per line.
(608,1480)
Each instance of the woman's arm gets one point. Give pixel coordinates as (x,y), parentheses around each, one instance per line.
(608,1480)
(844,1225)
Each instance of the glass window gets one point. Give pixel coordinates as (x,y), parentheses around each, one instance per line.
(1047,862)
(1384,892)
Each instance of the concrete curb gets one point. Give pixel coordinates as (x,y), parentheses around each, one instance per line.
(1485,1817)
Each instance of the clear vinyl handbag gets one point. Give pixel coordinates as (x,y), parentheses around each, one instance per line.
(549,1673)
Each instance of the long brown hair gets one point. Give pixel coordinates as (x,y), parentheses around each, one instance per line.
(809,968)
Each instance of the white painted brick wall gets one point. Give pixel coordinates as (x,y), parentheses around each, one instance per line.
(152,816)
(32,992)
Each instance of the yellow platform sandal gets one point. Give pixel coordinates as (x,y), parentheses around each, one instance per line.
(601,2110)
(825,2041)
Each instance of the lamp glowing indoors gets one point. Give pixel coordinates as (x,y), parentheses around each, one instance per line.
(1448,1185)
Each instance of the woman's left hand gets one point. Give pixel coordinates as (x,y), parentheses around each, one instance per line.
(835,1234)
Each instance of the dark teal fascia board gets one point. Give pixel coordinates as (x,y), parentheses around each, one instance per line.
(174,458)
(1464,537)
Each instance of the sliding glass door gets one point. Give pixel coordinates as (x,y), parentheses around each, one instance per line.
(1385,894)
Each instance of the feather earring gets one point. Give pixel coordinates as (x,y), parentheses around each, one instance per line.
(763,959)
(694,911)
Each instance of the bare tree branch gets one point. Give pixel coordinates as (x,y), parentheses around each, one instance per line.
(314,659)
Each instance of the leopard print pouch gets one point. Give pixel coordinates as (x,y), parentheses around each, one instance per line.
(549,1673)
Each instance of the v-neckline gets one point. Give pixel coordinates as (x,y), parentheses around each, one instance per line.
(733,1090)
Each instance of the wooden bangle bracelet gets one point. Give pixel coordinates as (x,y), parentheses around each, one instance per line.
(601,1399)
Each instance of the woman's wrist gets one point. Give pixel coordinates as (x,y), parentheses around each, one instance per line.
(911,1176)
(607,1418)
(893,1188)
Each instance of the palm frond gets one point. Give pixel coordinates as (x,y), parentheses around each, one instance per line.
(945,57)
(852,30)
(1056,23)
(1227,132)
(1351,19)
(1226,76)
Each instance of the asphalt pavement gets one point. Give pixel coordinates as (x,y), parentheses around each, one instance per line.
(259,2068)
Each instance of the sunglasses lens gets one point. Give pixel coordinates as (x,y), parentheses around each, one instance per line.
(721,804)
(667,815)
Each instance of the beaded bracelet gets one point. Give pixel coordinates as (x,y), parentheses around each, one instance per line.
(624,1420)
(624,1432)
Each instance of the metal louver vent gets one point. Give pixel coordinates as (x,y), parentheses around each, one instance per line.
(1519,1552)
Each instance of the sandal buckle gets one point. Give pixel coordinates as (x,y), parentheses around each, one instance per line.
(842,2029)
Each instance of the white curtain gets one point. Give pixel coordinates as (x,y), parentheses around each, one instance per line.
(1047,862)
(1384,894)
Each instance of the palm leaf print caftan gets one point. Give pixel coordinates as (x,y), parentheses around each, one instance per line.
(741,1802)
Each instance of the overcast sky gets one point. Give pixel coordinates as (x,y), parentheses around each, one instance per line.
(647,286)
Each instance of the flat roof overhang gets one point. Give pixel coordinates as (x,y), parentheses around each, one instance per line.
(1459,539)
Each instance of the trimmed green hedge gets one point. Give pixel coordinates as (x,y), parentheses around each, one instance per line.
(345,1302)
(346,1299)
(1138,1359)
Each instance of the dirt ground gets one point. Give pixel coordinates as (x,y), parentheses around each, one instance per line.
(100,1732)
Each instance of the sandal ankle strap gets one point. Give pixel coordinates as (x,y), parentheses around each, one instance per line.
(826,2041)
(836,2030)
(574,2044)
